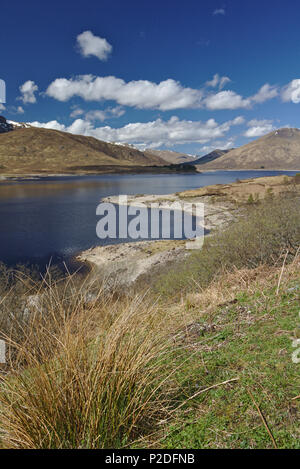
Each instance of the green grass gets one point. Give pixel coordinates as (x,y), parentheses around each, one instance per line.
(251,340)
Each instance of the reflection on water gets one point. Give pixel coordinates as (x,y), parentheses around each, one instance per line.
(57,216)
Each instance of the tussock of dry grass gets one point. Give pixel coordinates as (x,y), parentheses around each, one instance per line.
(87,375)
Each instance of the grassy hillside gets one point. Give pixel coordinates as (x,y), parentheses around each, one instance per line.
(244,332)
(42,150)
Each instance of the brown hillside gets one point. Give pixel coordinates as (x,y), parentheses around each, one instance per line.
(43,150)
(278,150)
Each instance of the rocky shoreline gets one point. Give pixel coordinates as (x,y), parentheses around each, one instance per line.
(126,262)
(223,204)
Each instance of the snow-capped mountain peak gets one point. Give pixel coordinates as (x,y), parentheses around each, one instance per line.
(21,125)
(8,125)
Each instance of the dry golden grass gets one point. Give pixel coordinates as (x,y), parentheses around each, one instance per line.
(227,285)
(240,191)
(94,374)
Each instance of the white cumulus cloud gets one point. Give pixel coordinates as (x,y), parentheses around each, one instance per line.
(258,128)
(54,125)
(143,94)
(89,45)
(155,133)
(265,93)
(28,90)
(226,100)
(165,96)
(291,92)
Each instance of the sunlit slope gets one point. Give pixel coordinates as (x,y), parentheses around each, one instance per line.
(278,150)
(37,150)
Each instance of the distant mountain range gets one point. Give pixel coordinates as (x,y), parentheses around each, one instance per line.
(171,157)
(25,149)
(209,157)
(278,150)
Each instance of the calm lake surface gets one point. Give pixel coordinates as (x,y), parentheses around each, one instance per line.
(56,217)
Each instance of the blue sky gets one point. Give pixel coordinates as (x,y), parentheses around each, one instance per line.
(190,76)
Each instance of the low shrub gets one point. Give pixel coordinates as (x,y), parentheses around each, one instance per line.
(268,231)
